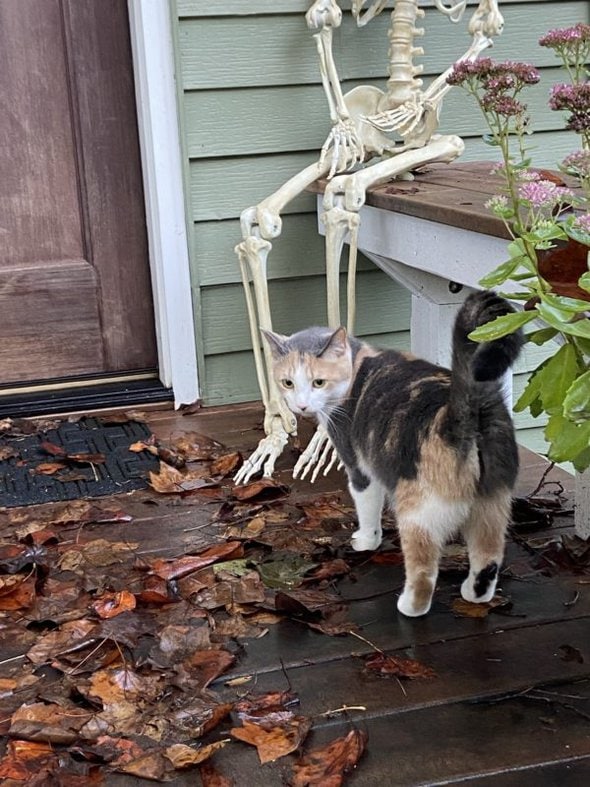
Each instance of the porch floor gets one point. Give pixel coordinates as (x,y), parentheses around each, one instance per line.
(509,702)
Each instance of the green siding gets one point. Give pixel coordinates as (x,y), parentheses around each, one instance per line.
(253,113)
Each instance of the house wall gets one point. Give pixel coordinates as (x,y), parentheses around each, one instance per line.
(253,113)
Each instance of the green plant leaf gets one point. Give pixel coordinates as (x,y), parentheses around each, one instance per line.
(502,326)
(501,273)
(517,248)
(567,440)
(576,404)
(489,140)
(584,281)
(553,317)
(541,336)
(582,460)
(532,391)
(572,305)
(557,376)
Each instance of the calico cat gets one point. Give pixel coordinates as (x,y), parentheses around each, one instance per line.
(437,445)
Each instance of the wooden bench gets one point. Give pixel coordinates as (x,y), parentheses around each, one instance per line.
(435,236)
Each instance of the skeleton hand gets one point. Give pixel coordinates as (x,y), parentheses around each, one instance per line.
(487,19)
(319,451)
(323,13)
(405,118)
(265,454)
(343,146)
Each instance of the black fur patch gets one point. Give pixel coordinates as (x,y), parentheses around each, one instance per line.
(484,579)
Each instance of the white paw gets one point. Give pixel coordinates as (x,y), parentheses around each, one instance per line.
(365,543)
(468,592)
(406,605)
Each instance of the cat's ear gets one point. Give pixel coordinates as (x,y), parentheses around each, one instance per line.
(277,343)
(336,346)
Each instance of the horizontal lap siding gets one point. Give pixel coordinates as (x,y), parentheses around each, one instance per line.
(254,113)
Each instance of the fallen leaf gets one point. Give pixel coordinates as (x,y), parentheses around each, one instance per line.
(207,665)
(7,452)
(69,635)
(151,765)
(225,465)
(196,447)
(307,602)
(186,565)
(182,756)
(327,765)
(468,609)
(263,489)
(210,776)
(329,570)
(97,553)
(17,592)
(170,481)
(47,468)
(111,604)
(285,572)
(24,759)
(254,706)
(391,666)
(274,742)
(49,723)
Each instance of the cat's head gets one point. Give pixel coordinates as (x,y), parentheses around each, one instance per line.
(312,369)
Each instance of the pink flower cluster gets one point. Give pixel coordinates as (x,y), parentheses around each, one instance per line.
(578,163)
(583,223)
(500,82)
(574,99)
(564,37)
(544,194)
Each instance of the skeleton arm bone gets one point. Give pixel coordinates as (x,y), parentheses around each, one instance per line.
(343,147)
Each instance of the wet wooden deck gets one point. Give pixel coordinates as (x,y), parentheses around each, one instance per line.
(510,703)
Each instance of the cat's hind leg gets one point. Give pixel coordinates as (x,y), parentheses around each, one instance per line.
(369,497)
(425,524)
(484,533)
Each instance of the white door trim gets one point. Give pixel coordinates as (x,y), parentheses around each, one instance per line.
(159,137)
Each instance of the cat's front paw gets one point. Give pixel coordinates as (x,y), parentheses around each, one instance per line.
(365,542)
(406,604)
(480,588)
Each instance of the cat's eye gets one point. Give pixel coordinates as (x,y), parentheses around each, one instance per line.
(287,383)
(319,383)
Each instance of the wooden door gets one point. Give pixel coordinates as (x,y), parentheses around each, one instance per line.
(75,295)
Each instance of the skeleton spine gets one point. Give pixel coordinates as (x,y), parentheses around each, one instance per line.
(402,82)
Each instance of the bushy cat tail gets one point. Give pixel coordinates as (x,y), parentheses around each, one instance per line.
(475,362)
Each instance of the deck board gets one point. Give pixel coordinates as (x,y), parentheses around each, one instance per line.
(443,730)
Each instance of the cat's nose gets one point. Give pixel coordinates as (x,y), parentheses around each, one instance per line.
(302,407)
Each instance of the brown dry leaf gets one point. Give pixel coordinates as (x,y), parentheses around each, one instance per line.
(17,592)
(99,552)
(7,452)
(307,602)
(76,512)
(263,489)
(24,759)
(166,569)
(111,604)
(151,765)
(196,447)
(47,468)
(254,528)
(326,508)
(210,776)
(155,590)
(49,723)
(254,705)
(182,756)
(390,558)
(328,570)
(170,481)
(334,622)
(274,742)
(69,636)
(206,665)
(327,765)
(225,465)
(391,666)
(468,609)
(7,686)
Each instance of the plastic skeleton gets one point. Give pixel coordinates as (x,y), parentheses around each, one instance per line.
(397,125)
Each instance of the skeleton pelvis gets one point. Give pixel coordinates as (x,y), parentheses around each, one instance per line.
(365,101)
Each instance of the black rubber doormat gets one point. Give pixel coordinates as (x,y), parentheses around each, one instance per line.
(87,458)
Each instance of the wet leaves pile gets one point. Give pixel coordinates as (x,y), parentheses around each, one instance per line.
(114,657)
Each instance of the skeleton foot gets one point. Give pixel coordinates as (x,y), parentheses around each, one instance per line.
(320,453)
(265,455)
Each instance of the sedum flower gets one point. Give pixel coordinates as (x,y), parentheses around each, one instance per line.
(544,194)
(578,163)
(566,36)
(582,223)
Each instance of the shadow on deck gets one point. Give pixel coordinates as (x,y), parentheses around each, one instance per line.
(509,703)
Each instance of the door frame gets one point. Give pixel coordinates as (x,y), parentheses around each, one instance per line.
(152,46)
